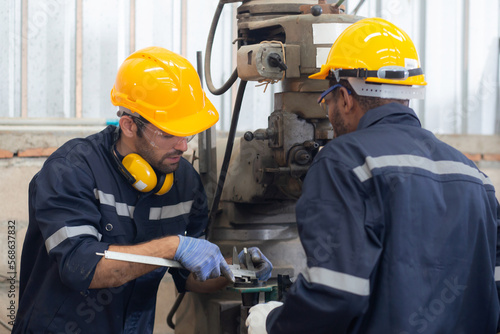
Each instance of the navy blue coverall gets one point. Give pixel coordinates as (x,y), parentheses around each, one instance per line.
(401,236)
(80,204)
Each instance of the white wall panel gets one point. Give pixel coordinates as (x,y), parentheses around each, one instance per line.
(10,58)
(483,67)
(158,24)
(51,58)
(101,56)
(443,67)
(199,16)
(461,97)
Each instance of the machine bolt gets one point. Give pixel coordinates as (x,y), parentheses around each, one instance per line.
(248,136)
(302,157)
(310,145)
(316,10)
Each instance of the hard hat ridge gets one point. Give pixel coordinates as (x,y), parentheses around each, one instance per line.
(164,88)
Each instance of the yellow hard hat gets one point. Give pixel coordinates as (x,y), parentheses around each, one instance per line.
(164,88)
(374,50)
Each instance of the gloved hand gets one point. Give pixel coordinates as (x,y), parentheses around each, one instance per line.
(263,266)
(257,316)
(202,258)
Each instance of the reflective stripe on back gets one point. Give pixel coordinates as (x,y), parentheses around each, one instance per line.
(497,274)
(443,167)
(337,280)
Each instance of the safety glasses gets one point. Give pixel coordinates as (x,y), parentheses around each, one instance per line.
(322,101)
(158,138)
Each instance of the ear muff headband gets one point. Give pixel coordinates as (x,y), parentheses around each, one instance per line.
(120,166)
(165,183)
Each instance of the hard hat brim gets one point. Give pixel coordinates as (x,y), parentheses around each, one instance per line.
(191,124)
(322,74)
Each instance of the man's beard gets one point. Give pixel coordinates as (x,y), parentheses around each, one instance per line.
(338,124)
(146,151)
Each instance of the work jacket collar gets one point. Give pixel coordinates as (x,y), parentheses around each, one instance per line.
(392,113)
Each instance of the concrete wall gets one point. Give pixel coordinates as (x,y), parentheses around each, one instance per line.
(23,151)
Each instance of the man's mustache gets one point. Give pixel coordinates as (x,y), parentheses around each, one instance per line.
(173,154)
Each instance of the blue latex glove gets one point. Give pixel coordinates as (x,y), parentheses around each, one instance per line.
(202,258)
(263,266)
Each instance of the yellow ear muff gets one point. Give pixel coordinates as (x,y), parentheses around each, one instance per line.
(143,173)
(167,184)
(143,177)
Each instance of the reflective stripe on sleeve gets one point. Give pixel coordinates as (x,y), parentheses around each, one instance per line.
(340,281)
(122,209)
(68,232)
(497,274)
(364,172)
(170,211)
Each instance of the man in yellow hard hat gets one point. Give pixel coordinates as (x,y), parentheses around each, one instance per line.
(126,189)
(400,230)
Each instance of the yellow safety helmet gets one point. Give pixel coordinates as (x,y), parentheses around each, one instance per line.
(164,88)
(374,50)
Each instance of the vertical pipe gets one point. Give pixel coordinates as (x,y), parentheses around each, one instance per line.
(378,8)
(184,28)
(176,26)
(15,45)
(234,90)
(24,59)
(423,52)
(465,67)
(69,59)
(497,114)
(132,26)
(204,158)
(79,59)
(207,153)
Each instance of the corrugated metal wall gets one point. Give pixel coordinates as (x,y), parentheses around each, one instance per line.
(59,57)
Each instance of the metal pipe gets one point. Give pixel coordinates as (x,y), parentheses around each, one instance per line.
(465,67)
(132,25)
(208,57)
(207,151)
(378,8)
(52,121)
(79,60)
(24,59)
(358,6)
(184,27)
(337,5)
(174,308)
(423,49)
(497,114)
(227,158)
